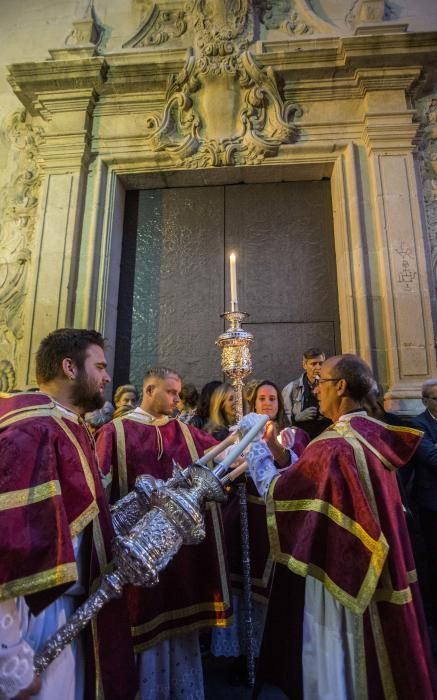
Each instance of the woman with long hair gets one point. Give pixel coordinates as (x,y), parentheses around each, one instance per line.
(201,414)
(279,436)
(286,444)
(221,412)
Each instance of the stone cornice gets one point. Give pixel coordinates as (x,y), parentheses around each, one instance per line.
(323,68)
(69,82)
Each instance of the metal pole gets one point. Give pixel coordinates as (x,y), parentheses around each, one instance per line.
(237,364)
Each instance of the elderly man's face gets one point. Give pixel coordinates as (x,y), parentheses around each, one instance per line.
(312,367)
(326,390)
(429,399)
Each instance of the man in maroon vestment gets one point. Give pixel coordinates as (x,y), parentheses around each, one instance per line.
(53,513)
(345,618)
(193,590)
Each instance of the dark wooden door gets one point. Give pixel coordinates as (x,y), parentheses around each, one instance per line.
(174,277)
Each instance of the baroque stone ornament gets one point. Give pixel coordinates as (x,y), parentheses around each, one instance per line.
(427,111)
(158,27)
(86,32)
(18,202)
(223,108)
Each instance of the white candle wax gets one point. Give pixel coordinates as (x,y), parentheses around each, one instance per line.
(233,276)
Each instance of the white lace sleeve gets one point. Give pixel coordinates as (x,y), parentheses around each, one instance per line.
(261,467)
(16,656)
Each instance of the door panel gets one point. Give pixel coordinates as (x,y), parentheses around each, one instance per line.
(282,235)
(174,277)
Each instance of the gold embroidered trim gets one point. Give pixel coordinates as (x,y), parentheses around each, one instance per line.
(173,615)
(356,603)
(385,671)
(216,515)
(98,686)
(263,581)
(255,499)
(398,597)
(167,634)
(23,413)
(84,519)
(412,576)
(91,511)
(145,420)
(99,546)
(189,440)
(379,548)
(64,573)
(360,676)
(121,456)
(34,494)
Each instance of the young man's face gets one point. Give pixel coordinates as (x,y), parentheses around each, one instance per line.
(312,367)
(161,396)
(91,380)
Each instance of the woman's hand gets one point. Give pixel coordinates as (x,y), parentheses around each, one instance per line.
(279,453)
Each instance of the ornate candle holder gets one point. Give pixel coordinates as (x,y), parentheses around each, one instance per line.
(151,524)
(236,360)
(237,365)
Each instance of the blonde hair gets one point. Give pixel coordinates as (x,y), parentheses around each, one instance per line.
(217,417)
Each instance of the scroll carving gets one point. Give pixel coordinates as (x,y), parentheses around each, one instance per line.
(158,27)
(170,20)
(19,199)
(222,109)
(427,110)
(86,31)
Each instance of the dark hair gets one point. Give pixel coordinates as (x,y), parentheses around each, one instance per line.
(311,353)
(281,418)
(202,410)
(189,395)
(356,373)
(62,343)
(426,386)
(161,373)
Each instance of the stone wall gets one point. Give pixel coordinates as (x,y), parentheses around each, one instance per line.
(107,97)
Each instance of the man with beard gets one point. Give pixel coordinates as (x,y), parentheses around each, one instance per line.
(56,528)
(345,618)
(193,590)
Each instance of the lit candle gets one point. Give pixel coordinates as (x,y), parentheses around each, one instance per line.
(233,275)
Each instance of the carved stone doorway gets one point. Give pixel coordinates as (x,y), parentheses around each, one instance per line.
(174,277)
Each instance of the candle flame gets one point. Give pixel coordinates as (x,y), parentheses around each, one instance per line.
(232,257)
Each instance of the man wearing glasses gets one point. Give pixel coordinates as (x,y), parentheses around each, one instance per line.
(345,619)
(424,490)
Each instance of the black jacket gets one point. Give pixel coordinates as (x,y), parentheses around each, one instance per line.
(424,490)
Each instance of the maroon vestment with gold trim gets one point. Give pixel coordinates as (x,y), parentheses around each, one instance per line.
(337,515)
(50,492)
(193,590)
(261,562)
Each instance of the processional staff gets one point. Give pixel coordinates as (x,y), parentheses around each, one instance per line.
(237,365)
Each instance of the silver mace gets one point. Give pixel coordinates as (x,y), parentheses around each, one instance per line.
(237,365)
(151,524)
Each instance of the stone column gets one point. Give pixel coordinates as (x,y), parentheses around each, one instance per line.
(64,154)
(404,332)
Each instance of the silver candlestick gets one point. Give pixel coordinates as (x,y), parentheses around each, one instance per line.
(151,523)
(237,365)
